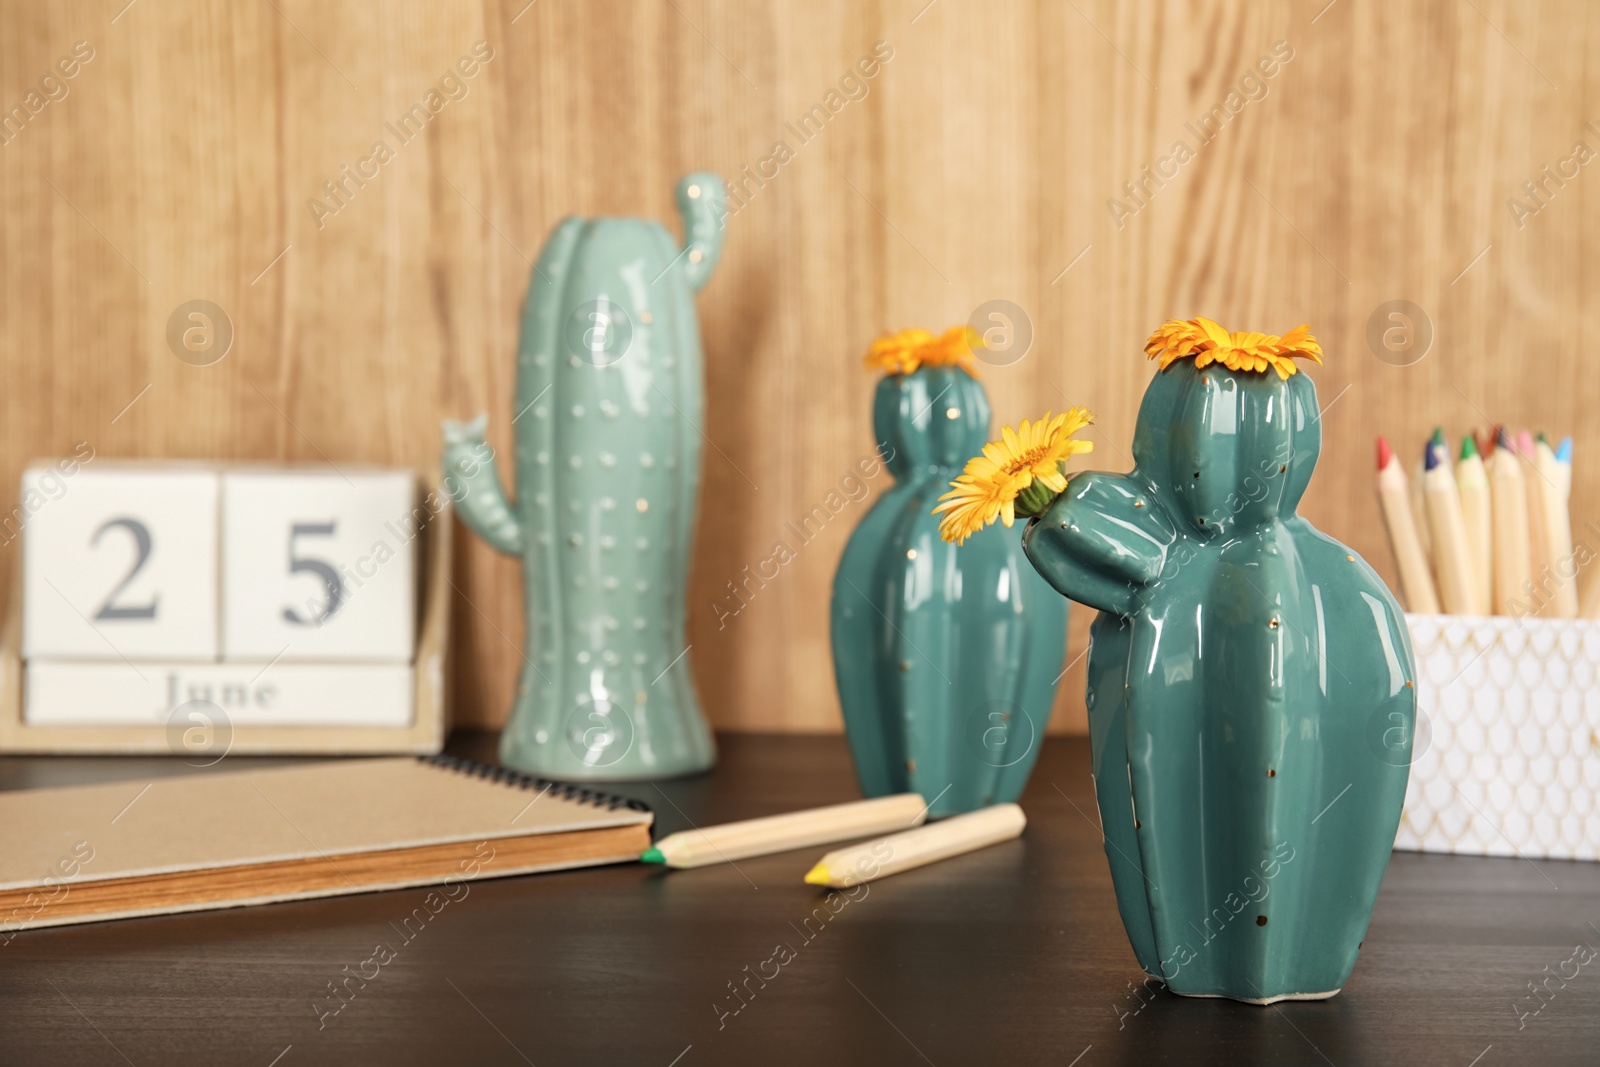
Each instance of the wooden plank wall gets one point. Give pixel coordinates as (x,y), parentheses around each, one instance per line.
(1376,163)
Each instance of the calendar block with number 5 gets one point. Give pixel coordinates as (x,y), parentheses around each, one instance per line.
(318,565)
(120,564)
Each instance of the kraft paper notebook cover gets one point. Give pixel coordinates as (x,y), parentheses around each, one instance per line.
(122,849)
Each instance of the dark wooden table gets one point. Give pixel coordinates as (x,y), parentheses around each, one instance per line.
(1011,955)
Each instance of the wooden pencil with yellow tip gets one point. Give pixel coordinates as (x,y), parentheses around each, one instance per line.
(906,851)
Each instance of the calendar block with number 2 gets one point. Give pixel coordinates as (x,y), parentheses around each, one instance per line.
(120,564)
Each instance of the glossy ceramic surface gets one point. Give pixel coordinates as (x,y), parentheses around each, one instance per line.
(1250,691)
(608,401)
(946,658)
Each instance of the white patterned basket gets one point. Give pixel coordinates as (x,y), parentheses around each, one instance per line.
(1507,745)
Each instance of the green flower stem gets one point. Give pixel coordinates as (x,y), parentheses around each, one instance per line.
(1034,500)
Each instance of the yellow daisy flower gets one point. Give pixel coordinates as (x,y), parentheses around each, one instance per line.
(1248,351)
(904,352)
(1019,474)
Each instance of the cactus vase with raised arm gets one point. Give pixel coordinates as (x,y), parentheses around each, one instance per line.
(605,424)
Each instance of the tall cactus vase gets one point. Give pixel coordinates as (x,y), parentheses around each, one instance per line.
(946,662)
(605,423)
(1250,680)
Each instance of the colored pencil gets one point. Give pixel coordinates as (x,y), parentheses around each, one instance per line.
(1486,441)
(1438,446)
(915,848)
(1508,499)
(1452,559)
(1419,511)
(1472,482)
(1589,594)
(780,833)
(1539,561)
(1416,582)
(1560,580)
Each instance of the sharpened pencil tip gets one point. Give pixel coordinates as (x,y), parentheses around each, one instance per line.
(1385,453)
(1432,455)
(1501,440)
(1468,448)
(1438,437)
(1564,450)
(652,855)
(818,875)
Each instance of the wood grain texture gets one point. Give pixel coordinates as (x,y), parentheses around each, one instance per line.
(1011,954)
(1377,165)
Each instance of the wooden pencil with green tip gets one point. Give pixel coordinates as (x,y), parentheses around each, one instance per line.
(1472,482)
(1452,558)
(796,829)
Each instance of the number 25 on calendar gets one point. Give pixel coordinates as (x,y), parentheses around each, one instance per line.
(145,563)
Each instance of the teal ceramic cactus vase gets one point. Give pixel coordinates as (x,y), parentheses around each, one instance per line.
(946,659)
(1248,679)
(608,401)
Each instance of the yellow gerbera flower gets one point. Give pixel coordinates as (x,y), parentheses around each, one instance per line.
(1209,343)
(904,352)
(1019,474)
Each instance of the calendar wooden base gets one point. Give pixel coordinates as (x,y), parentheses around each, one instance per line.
(425,733)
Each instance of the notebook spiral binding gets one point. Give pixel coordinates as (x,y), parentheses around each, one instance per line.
(566,790)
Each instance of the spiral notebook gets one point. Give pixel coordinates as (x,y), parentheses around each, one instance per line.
(196,842)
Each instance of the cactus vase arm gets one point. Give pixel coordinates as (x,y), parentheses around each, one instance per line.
(473,482)
(703,203)
(1103,542)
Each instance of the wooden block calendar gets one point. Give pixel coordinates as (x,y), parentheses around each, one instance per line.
(202,609)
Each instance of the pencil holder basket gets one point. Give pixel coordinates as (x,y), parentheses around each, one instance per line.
(1506,757)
